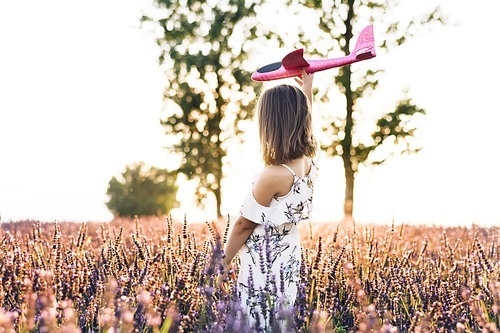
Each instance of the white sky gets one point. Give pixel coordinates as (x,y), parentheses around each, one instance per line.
(81,97)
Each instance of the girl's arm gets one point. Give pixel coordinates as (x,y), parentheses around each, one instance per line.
(305,82)
(242,229)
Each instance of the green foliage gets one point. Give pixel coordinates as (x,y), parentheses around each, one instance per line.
(142,191)
(204,49)
(394,127)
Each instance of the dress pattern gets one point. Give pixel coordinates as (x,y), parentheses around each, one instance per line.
(270,258)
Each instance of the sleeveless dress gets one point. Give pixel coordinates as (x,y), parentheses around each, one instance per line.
(270,258)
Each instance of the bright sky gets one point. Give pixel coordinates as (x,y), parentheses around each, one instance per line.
(81,97)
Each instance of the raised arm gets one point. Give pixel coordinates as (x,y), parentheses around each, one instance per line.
(306,82)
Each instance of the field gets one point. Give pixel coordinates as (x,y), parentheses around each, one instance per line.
(159,275)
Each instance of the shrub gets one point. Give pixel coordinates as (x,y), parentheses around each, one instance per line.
(142,191)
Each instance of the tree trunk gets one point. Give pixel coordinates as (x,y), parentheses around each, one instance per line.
(347,141)
(349,190)
(218,200)
(346,151)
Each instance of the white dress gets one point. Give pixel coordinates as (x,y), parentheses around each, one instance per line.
(270,258)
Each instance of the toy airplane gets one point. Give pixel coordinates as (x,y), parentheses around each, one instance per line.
(294,62)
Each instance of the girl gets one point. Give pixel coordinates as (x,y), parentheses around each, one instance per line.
(266,231)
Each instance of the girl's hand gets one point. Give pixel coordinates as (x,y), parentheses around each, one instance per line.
(222,279)
(305,81)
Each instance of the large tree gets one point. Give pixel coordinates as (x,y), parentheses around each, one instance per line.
(204,49)
(340,21)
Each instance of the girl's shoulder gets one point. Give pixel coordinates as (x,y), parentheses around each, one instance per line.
(273,180)
(273,175)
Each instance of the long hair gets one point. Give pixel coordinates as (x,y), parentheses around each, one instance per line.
(285,125)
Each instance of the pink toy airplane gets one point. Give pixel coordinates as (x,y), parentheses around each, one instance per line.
(294,62)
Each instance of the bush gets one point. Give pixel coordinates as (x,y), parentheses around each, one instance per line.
(142,191)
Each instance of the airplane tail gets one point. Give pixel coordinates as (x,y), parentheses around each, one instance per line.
(365,46)
(295,60)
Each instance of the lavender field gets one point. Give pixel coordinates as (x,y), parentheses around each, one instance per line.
(160,275)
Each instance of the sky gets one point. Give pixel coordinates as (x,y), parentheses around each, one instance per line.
(81,97)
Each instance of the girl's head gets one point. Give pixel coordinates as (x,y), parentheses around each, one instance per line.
(285,125)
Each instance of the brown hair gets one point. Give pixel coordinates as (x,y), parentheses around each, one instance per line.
(285,125)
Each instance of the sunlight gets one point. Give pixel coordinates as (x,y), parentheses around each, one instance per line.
(80,101)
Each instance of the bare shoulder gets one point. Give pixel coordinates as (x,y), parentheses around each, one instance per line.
(273,181)
(275,175)
(274,171)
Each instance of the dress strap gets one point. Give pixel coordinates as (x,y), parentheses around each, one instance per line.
(289,169)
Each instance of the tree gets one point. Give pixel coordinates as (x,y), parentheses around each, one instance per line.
(393,130)
(204,48)
(142,191)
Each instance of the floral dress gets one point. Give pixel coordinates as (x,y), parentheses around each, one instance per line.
(270,258)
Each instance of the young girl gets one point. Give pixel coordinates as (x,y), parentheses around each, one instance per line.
(266,231)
